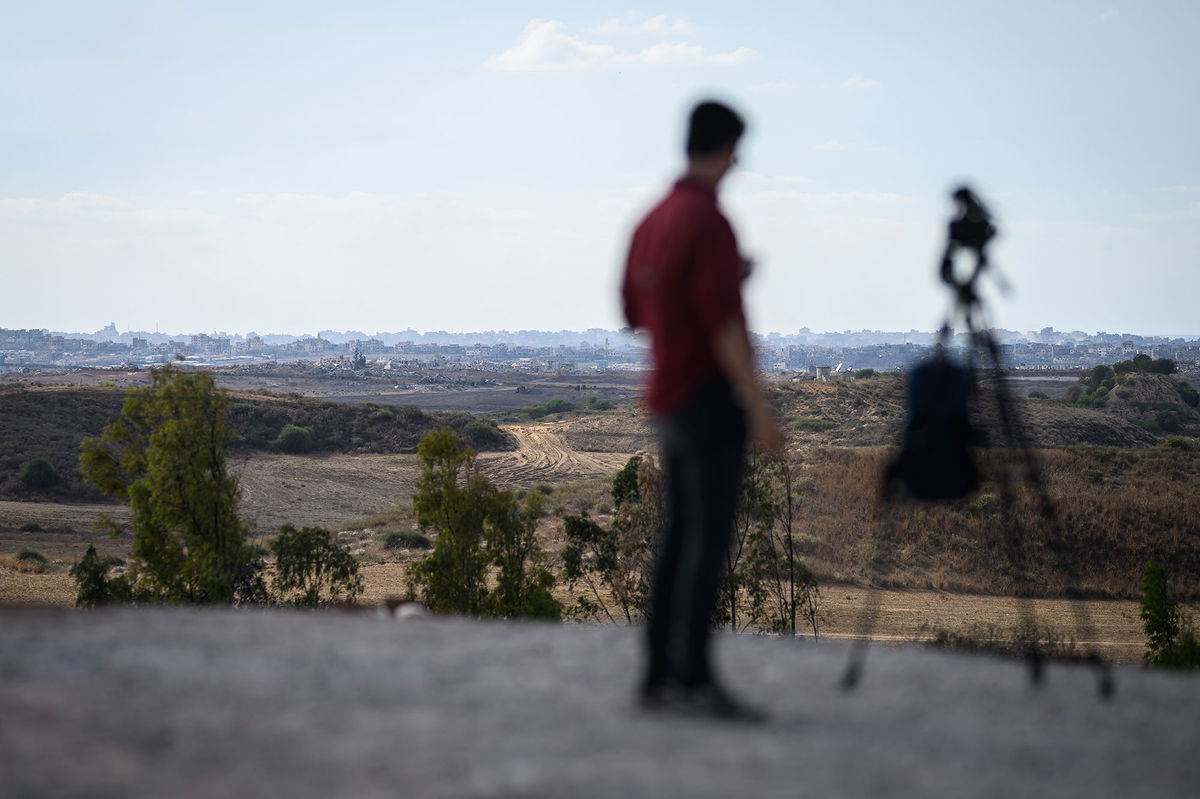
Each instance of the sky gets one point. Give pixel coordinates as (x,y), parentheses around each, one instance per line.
(295,166)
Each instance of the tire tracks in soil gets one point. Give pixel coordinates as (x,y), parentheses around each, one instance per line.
(544,456)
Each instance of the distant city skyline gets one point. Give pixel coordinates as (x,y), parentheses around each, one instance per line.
(295,167)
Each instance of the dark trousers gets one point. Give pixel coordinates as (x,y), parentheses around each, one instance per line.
(703,458)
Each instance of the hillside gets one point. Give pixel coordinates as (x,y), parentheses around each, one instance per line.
(870,412)
(51,421)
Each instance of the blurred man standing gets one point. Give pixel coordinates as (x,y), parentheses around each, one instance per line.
(683,285)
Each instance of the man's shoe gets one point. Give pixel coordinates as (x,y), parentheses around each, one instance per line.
(711,700)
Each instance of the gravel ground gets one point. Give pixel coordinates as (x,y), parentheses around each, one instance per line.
(220,703)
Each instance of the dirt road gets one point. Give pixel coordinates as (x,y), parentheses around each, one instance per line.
(543,456)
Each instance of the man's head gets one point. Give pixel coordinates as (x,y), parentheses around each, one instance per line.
(713,133)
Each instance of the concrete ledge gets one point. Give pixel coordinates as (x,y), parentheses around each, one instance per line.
(221,703)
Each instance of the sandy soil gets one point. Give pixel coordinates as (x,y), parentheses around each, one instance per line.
(544,456)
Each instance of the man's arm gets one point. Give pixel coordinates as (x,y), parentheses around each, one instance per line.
(731,346)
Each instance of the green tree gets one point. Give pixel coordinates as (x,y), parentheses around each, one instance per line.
(1162,366)
(475,527)
(312,569)
(616,563)
(753,512)
(782,589)
(38,474)
(523,584)
(1169,640)
(164,457)
(450,505)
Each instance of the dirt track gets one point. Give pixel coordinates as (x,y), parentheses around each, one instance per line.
(544,456)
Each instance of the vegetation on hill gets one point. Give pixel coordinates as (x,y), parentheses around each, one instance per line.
(1119,508)
(49,425)
(1142,391)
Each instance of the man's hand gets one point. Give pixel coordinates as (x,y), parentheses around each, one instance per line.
(766,432)
(731,345)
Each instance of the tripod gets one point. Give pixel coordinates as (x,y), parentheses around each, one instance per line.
(936,459)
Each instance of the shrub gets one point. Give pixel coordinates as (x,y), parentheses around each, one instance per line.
(551,406)
(38,474)
(812,424)
(33,560)
(95,586)
(312,569)
(597,404)
(31,527)
(294,439)
(407,539)
(1167,421)
(410,414)
(1189,395)
(865,373)
(482,436)
(1170,641)
(1038,395)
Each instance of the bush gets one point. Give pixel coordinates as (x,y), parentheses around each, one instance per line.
(38,474)
(1167,421)
(31,527)
(33,561)
(294,439)
(551,406)
(1189,395)
(812,424)
(312,569)
(597,404)
(1170,641)
(1038,395)
(95,586)
(408,539)
(482,436)
(865,373)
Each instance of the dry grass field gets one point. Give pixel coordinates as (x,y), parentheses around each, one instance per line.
(947,566)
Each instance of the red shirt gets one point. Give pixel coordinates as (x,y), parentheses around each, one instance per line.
(682,282)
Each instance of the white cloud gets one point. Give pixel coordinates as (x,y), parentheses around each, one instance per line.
(1112,15)
(859,82)
(654,26)
(547,45)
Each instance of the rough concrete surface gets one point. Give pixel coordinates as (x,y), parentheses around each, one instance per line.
(224,703)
